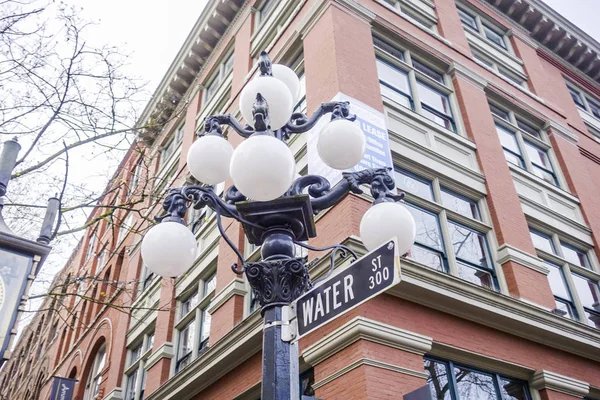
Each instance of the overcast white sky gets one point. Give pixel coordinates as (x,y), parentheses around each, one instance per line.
(154,30)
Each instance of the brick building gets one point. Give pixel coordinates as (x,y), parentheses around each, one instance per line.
(493,113)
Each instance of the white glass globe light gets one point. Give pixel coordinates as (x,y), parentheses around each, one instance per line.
(384,221)
(341,144)
(262,168)
(169,249)
(278,97)
(208,159)
(289,77)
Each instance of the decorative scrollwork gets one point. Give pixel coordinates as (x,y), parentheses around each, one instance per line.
(278,281)
(343,250)
(379,179)
(317,186)
(341,110)
(175,205)
(233,195)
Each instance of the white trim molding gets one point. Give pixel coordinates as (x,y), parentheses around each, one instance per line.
(164,351)
(115,394)
(508,253)
(365,329)
(468,75)
(559,383)
(561,131)
(235,287)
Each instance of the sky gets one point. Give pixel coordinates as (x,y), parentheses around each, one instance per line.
(583,13)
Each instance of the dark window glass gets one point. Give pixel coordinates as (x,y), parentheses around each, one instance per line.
(467,19)
(542,241)
(512,153)
(494,36)
(460,204)
(483,60)
(188,304)
(186,339)
(562,296)
(577,98)
(435,105)
(394,84)
(589,295)
(474,384)
(470,249)
(428,248)
(528,128)
(433,74)
(131,383)
(412,184)
(498,112)
(541,163)
(575,256)
(204,329)
(448,381)
(511,76)
(594,108)
(438,380)
(388,48)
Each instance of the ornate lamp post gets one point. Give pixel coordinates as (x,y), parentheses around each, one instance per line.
(275,210)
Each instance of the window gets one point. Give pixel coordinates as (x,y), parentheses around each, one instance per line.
(451,236)
(415,85)
(572,278)
(448,380)
(585,101)
(265,9)
(94,378)
(135,373)
(412,14)
(171,147)
(222,72)
(524,145)
(193,328)
(147,277)
(485,29)
(101,260)
(135,179)
(510,74)
(125,228)
(90,246)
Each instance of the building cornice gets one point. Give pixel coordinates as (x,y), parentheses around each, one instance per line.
(550,30)
(559,383)
(361,328)
(561,131)
(164,351)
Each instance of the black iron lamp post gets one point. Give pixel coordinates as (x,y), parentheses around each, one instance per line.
(275,208)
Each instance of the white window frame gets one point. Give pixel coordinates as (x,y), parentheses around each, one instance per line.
(135,178)
(445,215)
(138,365)
(91,244)
(204,290)
(568,269)
(414,76)
(411,12)
(223,70)
(486,23)
(94,378)
(510,75)
(169,149)
(125,227)
(101,259)
(522,137)
(586,98)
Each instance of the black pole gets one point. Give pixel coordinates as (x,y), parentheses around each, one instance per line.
(280,359)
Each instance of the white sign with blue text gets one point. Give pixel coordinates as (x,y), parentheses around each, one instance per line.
(373,125)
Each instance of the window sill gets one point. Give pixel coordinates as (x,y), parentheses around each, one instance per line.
(590,120)
(539,181)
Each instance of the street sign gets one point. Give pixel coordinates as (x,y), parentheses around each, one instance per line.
(348,288)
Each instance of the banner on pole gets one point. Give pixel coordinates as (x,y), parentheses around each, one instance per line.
(62,388)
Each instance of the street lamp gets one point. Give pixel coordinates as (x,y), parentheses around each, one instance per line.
(20,258)
(275,209)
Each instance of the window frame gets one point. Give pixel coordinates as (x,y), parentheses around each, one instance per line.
(138,366)
(413,14)
(568,269)
(171,145)
(446,216)
(415,77)
(215,81)
(194,316)
(452,383)
(586,98)
(484,23)
(525,138)
(94,378)
(509,74)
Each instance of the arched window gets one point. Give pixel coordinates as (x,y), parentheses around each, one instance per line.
(94,378)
